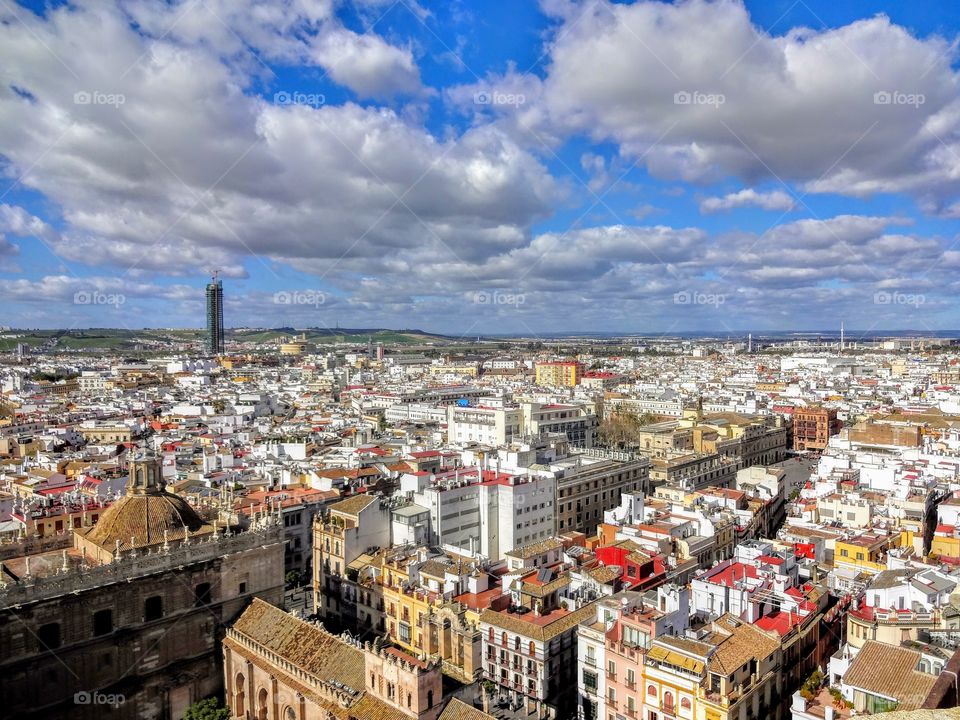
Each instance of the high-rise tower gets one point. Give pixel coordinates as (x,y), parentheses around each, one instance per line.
(215,315)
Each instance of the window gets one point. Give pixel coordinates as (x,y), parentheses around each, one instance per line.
(668,701)
(153,608)
(242,588)
(49,636)
(103,622)
(651,691)
(201,594)
(685,703)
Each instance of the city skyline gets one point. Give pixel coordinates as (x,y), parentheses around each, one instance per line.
(466,169)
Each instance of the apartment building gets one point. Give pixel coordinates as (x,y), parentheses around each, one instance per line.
(813,427)
(349,528)
(532,657)
(577,422)
(485,512)
(588,485)
(484,424)
(612,644)
(559,373)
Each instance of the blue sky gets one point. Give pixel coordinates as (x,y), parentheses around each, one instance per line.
(480,167)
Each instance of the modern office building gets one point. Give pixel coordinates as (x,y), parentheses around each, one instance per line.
(215,316)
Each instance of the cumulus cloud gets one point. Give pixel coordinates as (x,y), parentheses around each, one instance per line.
(697,92)
(367,64)
(189,169)
(748,197)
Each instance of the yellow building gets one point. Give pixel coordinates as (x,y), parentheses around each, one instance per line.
(559,373)
(407,609)
(867,552)
(469,369)
(946,543)
(296,346)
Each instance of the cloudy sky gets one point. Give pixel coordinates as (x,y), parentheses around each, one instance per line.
(480,166)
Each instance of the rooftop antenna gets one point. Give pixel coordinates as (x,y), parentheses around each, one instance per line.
(841,336)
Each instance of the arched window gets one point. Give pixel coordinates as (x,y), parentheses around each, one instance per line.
(429,699)
(533,648)
(503,639)
(651,691)
(238,705)
(409,700)
(490,637)
(685,703)
(668,701)
(262,704)
(516,643)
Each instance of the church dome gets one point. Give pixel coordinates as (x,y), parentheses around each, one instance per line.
(147,515)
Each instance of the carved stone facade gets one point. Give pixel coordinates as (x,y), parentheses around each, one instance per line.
(137,637)
(278,667)
(455,641)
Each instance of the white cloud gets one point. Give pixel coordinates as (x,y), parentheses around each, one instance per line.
(188,172)
(748,197)
(367,64)
(858,109)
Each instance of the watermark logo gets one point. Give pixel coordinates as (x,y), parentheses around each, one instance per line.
(695,97)
(299,297)
(95,297)
(95,97)
(898,298)
(495,97)
(295,97)
(895,97)
(688,297)
(499,298)
(85,697)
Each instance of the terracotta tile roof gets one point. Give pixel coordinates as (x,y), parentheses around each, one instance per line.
(738,643)
(308,647)
(353,505)
(541,628)
(327,658)
(459,710)
(143,519)
(890,671)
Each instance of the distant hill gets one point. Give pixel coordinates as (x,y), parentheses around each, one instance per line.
(155,339)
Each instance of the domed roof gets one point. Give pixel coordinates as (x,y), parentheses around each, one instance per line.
(143,519)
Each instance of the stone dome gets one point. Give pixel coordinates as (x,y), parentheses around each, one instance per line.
(147,520)
(147,515)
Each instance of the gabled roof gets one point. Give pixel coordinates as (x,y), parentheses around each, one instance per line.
(890,671)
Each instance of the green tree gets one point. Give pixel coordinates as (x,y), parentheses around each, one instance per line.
(209,709)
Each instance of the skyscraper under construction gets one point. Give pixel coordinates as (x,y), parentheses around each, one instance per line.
(215,315)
